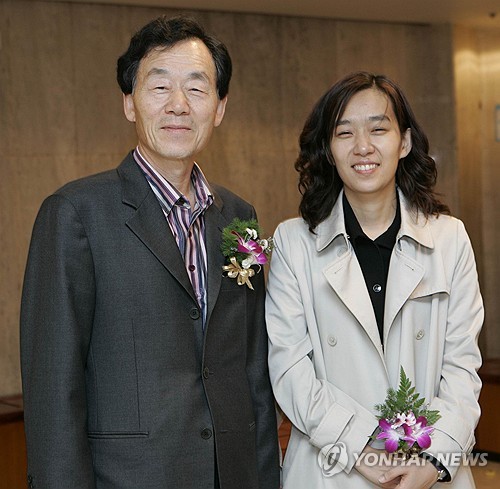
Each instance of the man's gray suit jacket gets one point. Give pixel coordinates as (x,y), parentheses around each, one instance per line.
(122,387)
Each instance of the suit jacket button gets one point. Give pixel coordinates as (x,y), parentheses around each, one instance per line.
(206,373)
(194,313)
(206,434)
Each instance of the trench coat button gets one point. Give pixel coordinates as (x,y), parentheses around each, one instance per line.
(206,373)
(332,341)
(194,313)
(206,434)
(420,334)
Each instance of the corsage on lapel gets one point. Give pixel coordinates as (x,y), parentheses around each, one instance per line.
(243,247)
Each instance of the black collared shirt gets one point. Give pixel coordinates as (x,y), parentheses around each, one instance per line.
(374,257)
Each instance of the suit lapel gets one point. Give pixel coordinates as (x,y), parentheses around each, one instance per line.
(148,222)
(214,224)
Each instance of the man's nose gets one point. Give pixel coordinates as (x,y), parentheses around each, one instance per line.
(177,103)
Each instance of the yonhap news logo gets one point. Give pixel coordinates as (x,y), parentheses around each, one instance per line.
(332,459)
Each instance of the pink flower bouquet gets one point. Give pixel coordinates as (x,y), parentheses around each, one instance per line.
(404,422)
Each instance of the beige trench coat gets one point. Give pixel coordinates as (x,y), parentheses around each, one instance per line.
(327,364)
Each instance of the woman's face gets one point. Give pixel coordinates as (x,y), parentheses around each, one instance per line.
(367,146)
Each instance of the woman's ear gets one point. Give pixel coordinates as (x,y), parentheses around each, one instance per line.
(406,143)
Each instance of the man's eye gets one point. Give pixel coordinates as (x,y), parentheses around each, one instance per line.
(196,90)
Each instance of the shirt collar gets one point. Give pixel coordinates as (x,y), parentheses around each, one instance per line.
(170,195)
(413,225)
(354,230)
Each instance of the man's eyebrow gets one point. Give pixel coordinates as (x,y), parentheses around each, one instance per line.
(194,75)
(157,71)
(372,118)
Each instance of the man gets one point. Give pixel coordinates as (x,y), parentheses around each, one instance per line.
(143,367)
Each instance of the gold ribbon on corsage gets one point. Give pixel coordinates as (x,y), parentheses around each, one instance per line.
(234,270)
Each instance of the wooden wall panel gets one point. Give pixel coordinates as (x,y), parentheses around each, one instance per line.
(488,429)
(468,109)
(477,85)
(279,72)
(61,114)
(12,444)
(12,456)
(488,199)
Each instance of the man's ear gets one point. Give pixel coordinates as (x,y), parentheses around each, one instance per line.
(129,107)
(221,109)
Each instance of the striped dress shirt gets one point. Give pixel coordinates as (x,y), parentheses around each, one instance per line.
(187,224)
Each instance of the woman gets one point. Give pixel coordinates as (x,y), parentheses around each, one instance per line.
(375,276)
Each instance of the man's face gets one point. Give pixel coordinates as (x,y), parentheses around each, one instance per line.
(174,104)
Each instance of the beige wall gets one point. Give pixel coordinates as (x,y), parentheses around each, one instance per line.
(61,116)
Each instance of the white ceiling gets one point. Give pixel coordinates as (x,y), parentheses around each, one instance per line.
(468,12)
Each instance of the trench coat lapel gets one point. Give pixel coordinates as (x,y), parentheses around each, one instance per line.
(344,273)
(148,222)
(405,272)
(346,278)
(404,276)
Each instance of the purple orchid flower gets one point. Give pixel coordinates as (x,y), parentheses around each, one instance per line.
(420,433)
(253,249)
(392,435)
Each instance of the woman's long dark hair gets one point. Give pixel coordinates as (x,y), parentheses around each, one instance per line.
(319,181)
